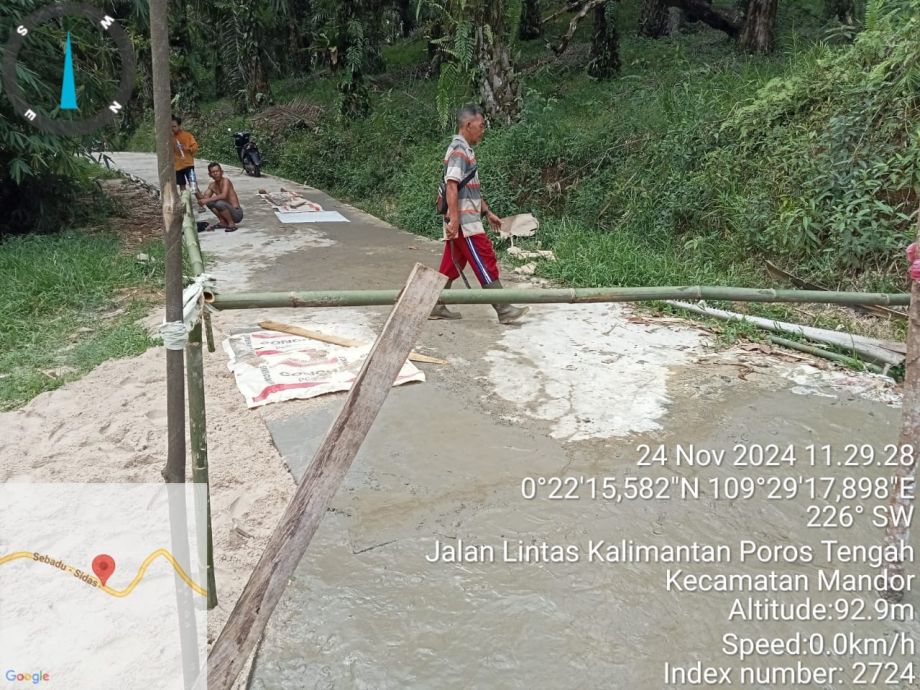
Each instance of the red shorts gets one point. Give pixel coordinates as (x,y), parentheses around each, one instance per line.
(476,251)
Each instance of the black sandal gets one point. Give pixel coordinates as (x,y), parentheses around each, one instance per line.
(232,228)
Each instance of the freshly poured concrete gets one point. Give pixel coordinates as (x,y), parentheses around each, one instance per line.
(571,392)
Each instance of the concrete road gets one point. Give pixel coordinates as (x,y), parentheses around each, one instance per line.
(462,550)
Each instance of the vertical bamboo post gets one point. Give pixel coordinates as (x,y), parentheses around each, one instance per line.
(902,493)
(190,235)
(197,417)
(208,331)
(198,433)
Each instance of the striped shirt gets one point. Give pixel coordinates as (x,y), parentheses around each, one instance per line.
(459,161)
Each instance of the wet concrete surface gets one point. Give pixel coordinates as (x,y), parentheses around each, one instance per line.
(446,461)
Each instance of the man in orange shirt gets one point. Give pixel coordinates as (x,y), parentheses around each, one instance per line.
(184,155)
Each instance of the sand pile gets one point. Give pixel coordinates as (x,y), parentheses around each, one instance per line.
(110,426)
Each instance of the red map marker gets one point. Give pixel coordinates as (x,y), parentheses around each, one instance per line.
(103,566)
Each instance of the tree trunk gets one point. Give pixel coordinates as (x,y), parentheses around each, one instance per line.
(605,44)
(406,10)
(355,102)
(653,19)
(530,27)
(759,24)
(182,79)
(499,87)
(258,90)
(703,11)
(435,54)
(299,36)
(498,84)
(843,10)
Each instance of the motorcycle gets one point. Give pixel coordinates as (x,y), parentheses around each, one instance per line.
(248,153)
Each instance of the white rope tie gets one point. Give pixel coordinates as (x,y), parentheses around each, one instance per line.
(174,335)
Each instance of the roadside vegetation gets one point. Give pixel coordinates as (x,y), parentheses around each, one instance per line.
(693,165)
(73,298)
(659,142)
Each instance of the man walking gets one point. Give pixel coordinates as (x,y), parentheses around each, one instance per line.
(465,239)
(185,148)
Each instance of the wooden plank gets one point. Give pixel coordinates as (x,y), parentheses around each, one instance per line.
(901,496)
(334,456)
(336,339)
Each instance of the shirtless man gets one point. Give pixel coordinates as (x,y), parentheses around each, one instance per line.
(221,198)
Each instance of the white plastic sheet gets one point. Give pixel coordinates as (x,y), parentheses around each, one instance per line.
(312,217)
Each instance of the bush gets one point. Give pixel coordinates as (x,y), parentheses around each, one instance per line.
(826,156)
(702,159)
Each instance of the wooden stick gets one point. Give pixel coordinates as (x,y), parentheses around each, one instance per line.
(174,471)
(336,340)
(172,225)
(334,456)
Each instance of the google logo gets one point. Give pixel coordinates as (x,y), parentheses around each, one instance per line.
(34,678)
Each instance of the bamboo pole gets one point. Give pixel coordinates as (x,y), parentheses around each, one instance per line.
(208,331)
(897,534)
(193,245)
(818,352)
(172,222)
(198,434)
(197,417)
(867,348)
(190,235)
(363,298)
(331,462)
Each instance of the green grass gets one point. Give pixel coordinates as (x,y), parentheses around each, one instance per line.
(70,302)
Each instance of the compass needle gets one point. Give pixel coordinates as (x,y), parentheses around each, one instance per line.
(68,85)
(93,39)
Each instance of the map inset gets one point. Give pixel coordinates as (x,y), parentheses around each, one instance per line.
(102,585)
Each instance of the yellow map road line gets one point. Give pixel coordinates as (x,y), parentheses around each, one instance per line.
(16,555)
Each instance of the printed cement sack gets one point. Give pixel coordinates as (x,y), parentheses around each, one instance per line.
(271,367)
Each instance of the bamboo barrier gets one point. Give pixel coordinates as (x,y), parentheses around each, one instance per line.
(367,298)
(198,437)
(190,235)
(197,417)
